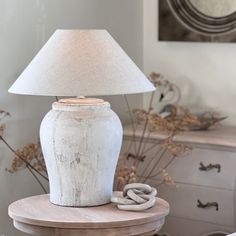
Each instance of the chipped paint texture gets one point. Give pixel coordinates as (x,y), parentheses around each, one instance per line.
(81,145)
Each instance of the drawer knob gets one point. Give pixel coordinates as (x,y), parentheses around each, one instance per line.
(210,167)
(207,205)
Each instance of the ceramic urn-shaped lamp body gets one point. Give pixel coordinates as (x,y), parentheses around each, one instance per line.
(81,140)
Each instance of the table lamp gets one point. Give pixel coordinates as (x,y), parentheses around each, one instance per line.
(81,137)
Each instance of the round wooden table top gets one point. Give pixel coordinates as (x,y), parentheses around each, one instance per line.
(38,213)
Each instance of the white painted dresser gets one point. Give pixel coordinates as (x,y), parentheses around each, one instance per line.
(197,187)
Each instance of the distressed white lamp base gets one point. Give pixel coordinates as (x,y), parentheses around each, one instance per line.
(81,140)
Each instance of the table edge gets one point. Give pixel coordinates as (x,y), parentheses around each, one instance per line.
(115,224)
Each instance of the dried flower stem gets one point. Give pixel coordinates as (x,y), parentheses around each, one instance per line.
(133,126)
(165,167)
(158,160)
(144,130)
(151,147)
(150,162)
(144,145)
(155,165)
(37,179)
(28,165)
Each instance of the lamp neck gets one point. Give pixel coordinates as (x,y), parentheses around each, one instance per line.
(80,103)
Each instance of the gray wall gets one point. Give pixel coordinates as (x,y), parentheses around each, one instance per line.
(25,25)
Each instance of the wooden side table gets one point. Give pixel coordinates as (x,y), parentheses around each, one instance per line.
(37,216)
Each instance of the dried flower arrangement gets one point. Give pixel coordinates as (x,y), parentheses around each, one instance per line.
(138,163)
(29,157)
(133,165)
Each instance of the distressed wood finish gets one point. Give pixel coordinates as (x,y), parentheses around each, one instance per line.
(37,216)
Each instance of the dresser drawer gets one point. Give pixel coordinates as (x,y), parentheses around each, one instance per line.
(186,169)
(183,203)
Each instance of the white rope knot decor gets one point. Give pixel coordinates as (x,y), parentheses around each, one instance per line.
(136,197)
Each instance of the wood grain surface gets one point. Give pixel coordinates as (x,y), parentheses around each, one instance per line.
(38,211)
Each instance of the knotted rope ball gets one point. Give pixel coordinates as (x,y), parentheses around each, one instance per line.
(136,197)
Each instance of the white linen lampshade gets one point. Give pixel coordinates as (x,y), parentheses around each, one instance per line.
(81,137)
(81,63)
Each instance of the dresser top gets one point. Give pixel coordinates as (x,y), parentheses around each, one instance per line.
(218,137)
(38,210)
